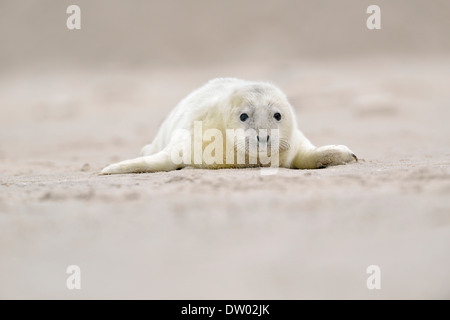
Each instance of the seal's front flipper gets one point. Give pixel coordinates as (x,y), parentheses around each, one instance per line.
(160,161)
(323,157)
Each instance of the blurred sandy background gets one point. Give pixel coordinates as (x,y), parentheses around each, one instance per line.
(72,102)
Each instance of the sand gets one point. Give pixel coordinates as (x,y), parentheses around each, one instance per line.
(227,234)
(72,102)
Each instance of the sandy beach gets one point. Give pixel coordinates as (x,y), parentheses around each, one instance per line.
(226,234)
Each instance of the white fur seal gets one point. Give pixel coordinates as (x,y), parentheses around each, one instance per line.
(215,110)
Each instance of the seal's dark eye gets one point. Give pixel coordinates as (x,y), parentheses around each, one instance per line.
(244,117)
(277,116)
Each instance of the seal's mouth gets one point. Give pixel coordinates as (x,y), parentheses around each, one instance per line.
(259,146)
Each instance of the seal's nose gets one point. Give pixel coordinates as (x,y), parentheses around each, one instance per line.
(268,137)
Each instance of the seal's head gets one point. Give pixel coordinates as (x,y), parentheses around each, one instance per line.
(264,114)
